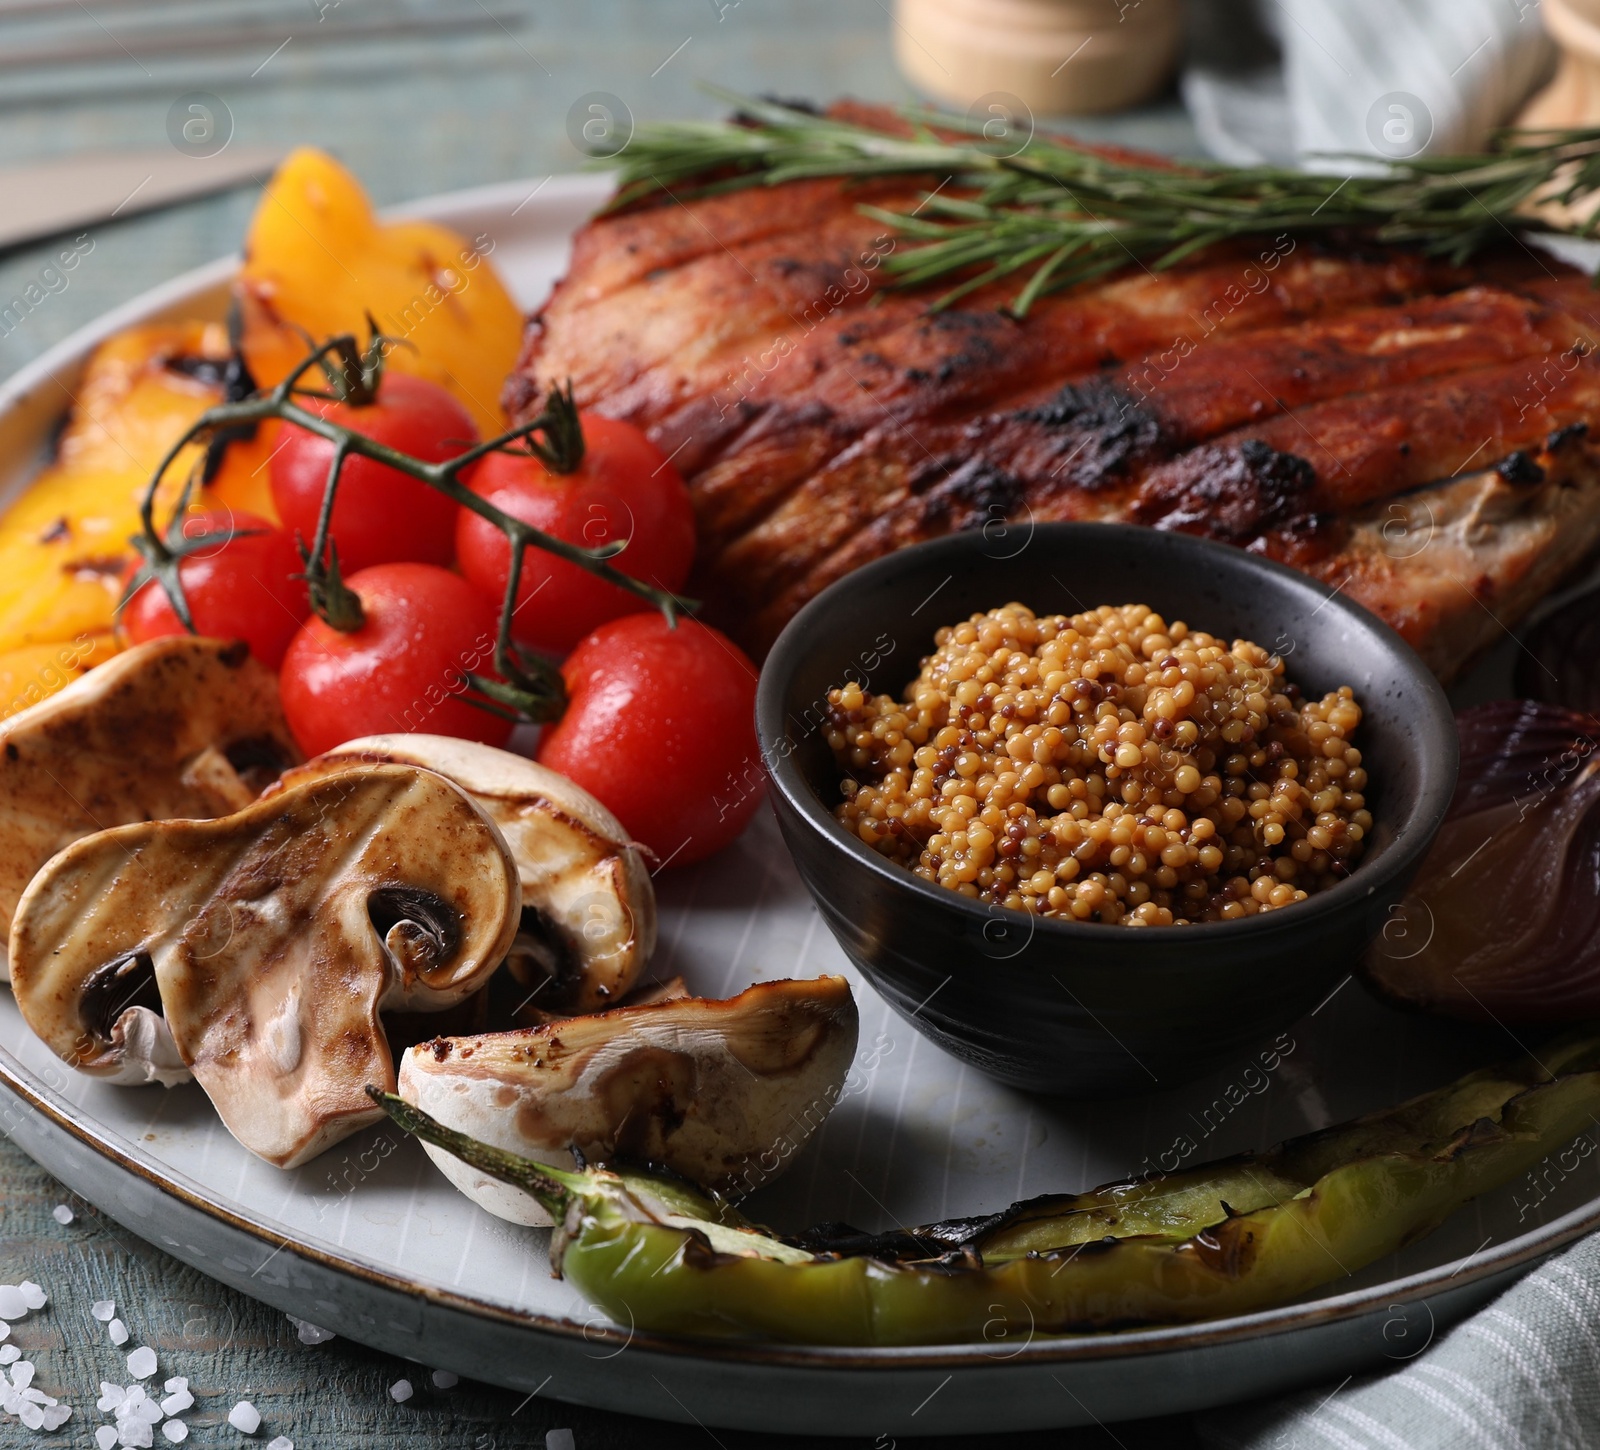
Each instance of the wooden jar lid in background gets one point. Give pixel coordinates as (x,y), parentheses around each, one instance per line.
(1056,56)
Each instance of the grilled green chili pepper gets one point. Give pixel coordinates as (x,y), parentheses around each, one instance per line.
(1222,1238)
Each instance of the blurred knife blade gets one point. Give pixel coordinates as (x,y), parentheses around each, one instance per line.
(84,189)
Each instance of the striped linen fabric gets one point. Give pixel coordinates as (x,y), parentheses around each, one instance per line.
(1523,1374)
(1304,80)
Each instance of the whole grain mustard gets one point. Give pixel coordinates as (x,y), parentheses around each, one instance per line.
(1107,767)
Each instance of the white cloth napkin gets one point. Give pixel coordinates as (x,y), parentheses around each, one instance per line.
(1294,80)
(1523,1374)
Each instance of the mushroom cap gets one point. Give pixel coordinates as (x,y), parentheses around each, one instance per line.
(272,938)
(175,727)
(722,1092)
(588,909)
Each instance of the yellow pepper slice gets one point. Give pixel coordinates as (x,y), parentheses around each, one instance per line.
(318,261)
(64,543)
(37,671)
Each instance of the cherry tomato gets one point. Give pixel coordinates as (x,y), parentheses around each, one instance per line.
(624,489)
(381,515)
(402,670)
(243,589)
(661,728)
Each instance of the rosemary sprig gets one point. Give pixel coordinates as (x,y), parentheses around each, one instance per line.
(1062,216)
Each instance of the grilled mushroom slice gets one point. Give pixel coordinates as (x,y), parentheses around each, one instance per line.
(273,937)
(722,1092)
(181,726)
(588,909)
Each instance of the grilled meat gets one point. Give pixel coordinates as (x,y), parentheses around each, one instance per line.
(1325,402)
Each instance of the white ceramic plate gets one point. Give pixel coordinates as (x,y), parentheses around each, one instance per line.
(370,1240)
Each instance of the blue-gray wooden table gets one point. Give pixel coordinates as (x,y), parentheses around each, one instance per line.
(418,96)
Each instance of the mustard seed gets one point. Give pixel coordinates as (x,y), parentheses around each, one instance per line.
(1145,773)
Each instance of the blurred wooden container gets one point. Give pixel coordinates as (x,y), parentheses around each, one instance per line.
(1573,97)
(1057,56)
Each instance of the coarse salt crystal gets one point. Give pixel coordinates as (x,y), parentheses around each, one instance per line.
(5,1330)
(31,1415)
(104,1310)
(310,1333)
(22,1374)
(177,1402)
(38,1396)
(62,1214)
(118,1332)
(245,1418)
(138,1406)
(135,1434)
(55,1416)
(12,1304)
(142,1362)
(283,1442)
(176,1383)
(110,1397)
(9,1352)
(105,1436)
(175,1431)
(444,1380)
(400,1391)
(32,1295)
(558,1440)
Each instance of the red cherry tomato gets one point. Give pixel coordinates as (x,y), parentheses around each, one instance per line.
(243,589)
(403,670)
(661,728)
(381,515)
(624,489)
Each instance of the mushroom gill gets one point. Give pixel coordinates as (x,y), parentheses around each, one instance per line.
(124,1036)
(588,921)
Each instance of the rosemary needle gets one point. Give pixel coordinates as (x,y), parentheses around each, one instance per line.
(1060,216)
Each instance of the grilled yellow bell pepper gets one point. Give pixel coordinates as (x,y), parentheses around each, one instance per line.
(64,543)
(318,262)
(36,671)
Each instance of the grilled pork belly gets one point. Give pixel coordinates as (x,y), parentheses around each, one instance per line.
(1318,401)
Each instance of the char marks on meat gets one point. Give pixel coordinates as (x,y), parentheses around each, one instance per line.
(1236,491)
(1318,402)
(1104,430)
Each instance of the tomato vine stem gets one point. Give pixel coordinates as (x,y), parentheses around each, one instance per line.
(528,686)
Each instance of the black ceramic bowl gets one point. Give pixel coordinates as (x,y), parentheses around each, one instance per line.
(1077,1008)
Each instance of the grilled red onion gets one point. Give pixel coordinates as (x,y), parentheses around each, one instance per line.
(1560,659)
(1503,922)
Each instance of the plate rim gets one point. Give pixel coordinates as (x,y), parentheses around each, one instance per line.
(1524,1250)
(1518,1253)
